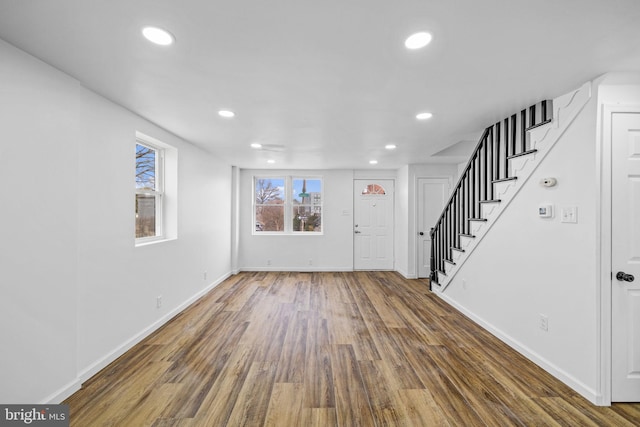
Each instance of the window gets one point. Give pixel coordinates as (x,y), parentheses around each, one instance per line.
(269,207)
(307,205)
(288,205)
(149,191)
(373,189)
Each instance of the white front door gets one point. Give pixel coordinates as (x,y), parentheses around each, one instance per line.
(373,224)
(625,254)
(432,195)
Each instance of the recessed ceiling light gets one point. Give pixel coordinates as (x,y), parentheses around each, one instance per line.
(390,146)
(373,162)
(271,161)
(424,116)
(226,113)
(256,145)
(418,40)
(158,36)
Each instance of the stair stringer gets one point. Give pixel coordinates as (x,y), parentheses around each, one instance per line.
(565,109)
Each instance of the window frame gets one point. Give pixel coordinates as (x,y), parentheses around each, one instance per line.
(158,192)
(288,205)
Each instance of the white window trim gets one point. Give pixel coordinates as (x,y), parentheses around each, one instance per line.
(158,193)
(288,206)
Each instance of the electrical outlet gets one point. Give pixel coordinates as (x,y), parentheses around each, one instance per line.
(204,276)
(268,262)
(464,284)
(544,322)
(310,262)
(159,301)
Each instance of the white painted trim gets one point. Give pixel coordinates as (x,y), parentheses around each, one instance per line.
(62,393)
(406,275)
(587,392)
(298,269)
(127,345)
(604,209)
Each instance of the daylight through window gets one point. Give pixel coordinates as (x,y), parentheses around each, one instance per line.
(289,205)
(149,191)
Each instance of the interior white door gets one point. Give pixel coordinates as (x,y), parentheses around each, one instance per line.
(373,224)
(625,293)
(432,195)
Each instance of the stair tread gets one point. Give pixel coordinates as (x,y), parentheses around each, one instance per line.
(524,153)
(477,219)
(450,261)
(511,178)
(467,235)
(491,201)
(458,249)
(539,124)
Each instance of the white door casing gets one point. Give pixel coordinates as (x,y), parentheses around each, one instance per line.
(373,224)
(625,257)
(432,195)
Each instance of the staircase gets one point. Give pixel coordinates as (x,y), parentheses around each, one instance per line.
(506,155)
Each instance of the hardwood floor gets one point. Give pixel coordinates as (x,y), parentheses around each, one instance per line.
(329,349)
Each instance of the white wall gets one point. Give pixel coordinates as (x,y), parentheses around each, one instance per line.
(38,227)
(401,248)
(331,251)
(527,266)
(76,292)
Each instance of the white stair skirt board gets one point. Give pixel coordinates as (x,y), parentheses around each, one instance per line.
(565,109)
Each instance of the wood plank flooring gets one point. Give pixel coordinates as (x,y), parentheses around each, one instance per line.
(329,349)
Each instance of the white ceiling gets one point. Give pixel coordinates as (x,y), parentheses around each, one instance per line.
(326,84)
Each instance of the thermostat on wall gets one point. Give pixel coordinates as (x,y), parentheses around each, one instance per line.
(545,211)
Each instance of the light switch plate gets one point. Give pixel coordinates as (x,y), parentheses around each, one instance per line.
(569,214)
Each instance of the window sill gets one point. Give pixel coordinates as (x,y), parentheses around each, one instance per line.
(266,233)
(153,241)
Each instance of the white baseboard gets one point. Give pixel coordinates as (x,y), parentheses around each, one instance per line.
(407,275)
(63,393)
(586,391)
(309,269)
(90,371)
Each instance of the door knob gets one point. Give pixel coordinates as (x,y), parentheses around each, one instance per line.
(624,277)
(357,232)
(422,233)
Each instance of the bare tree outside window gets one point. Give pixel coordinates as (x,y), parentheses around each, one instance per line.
(145,167)
(148,195)
(269,204)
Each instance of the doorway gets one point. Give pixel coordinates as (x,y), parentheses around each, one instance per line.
(432,196)
(373,224)
(625,256)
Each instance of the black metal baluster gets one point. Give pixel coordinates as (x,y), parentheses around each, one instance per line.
(432,260)
(485,194)
(463,227)
(443,237)
(454,222)
(491,162)
(506,148)
(498,153)
(448,232)
(472,203)
(514,125)
(523,131)
(450,240)
(532,116)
